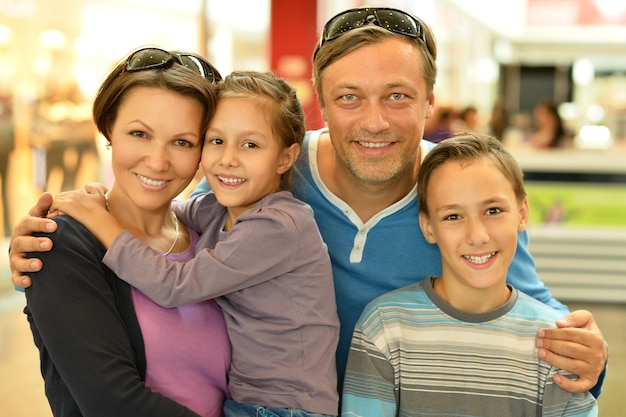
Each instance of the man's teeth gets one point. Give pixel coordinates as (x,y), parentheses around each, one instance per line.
(154,183)
(232,180)
(374,144)
(479,259)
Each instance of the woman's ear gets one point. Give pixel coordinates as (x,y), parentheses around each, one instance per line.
(288,158)
(427,230)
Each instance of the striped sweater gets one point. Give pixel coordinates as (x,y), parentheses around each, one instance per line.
(414,355)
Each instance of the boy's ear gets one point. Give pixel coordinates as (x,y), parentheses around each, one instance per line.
(524,213)
(288,158)
(426,228)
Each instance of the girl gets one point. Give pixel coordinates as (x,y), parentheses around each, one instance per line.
(260,253)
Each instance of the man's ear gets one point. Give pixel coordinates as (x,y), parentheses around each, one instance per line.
(288,158)
(427,230)
(430,110)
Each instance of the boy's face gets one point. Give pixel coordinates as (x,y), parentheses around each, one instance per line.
(474,217)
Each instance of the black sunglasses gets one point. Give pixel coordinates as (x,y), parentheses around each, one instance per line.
(393,20)
(150,58)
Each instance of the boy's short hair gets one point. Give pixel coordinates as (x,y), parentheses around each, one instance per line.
(467,148)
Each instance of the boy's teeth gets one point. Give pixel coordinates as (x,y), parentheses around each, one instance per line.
(479,259)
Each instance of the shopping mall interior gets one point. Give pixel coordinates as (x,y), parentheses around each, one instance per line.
(499,60)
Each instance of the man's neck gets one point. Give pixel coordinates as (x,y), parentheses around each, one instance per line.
(366,199)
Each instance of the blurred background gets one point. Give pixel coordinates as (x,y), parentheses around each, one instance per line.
(547,77)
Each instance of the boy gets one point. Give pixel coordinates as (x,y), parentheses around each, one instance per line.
(462,343)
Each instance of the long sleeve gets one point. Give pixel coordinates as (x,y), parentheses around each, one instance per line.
(76,308)
(523,275)
(262,245)
(368,388)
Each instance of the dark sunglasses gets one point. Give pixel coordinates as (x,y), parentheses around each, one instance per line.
(393,20)
(150,58)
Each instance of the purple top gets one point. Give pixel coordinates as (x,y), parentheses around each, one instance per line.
(273,276)
(182,339)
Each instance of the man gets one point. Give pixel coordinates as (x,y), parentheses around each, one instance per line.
(374,71)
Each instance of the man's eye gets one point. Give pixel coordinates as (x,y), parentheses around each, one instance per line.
(397,96)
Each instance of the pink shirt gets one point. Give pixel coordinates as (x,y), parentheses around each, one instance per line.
(187,349)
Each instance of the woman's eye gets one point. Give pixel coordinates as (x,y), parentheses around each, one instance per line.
(183,142)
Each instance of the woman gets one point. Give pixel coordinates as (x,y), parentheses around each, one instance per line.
(106,349)
(549,130)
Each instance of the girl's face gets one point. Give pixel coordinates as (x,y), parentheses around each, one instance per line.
(156,145)
(242,159)
(474,217)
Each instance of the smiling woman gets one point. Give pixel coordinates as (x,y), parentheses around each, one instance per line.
(152,109)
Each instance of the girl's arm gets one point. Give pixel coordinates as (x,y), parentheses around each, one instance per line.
(75,311)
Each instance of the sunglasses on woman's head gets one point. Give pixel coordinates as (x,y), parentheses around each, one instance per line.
(393,20)
(150,58)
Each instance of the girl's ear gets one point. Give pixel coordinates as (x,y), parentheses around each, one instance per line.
(427,230)
(288,158)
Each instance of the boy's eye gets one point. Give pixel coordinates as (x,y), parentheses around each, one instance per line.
(451,217)
(493,210)
(216,141)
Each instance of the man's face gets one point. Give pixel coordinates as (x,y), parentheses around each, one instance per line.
(375,101)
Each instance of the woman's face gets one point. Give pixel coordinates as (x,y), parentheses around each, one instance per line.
(156,145)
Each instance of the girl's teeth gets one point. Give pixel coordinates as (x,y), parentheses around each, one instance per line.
(231,180)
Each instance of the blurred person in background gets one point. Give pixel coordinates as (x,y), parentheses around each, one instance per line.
(548,130)
(441,125)
(7,142)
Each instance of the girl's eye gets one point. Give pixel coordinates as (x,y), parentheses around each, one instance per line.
(250,145)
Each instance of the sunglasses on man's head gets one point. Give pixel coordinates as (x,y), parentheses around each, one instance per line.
(393,20)
(150,58)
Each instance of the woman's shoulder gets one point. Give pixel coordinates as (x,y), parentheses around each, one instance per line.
(72,241)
